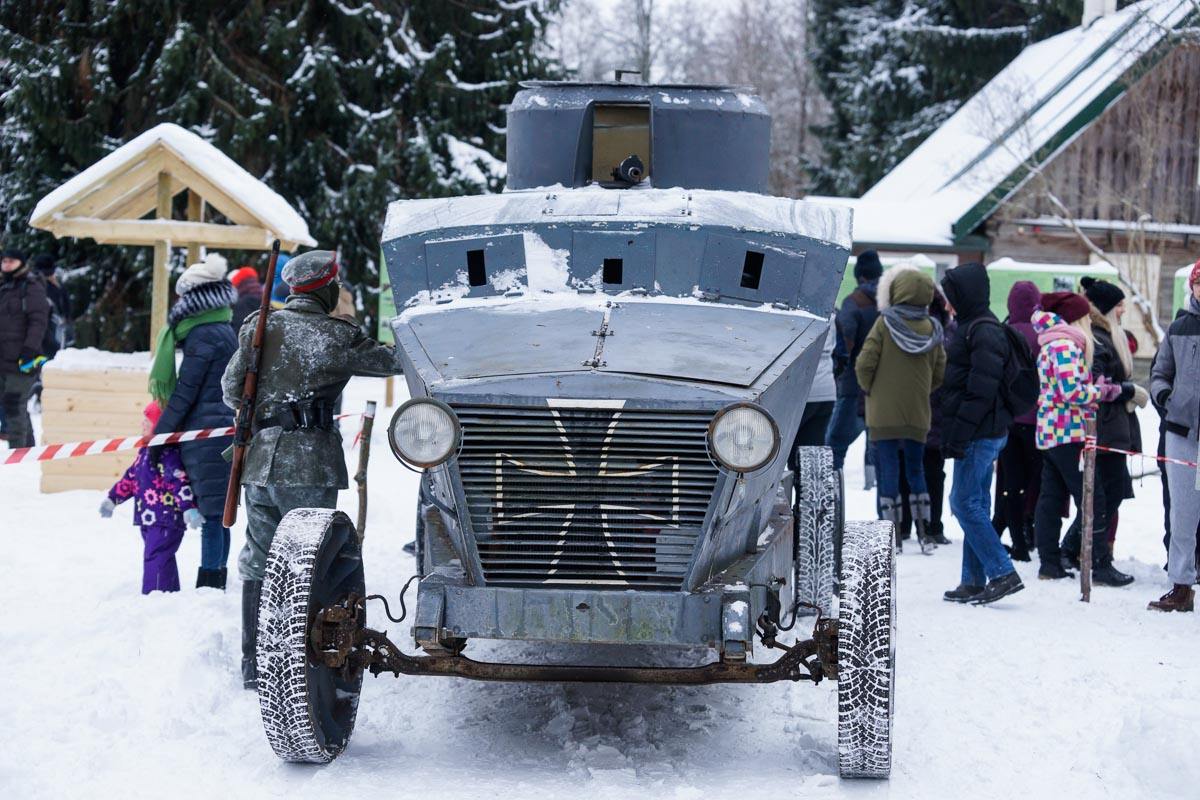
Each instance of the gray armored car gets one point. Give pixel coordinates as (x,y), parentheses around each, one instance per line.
(607,364)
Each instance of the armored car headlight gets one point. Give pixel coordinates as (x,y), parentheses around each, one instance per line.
(424,432)
(743,437)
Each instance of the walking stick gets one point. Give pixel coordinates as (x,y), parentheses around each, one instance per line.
(360,477)
(245,413)
(1087,512)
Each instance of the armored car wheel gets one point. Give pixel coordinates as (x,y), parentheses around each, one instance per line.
(308,709)
(866,650)
(818,526)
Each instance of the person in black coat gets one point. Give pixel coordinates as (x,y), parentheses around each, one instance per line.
(197,403)
(975,423)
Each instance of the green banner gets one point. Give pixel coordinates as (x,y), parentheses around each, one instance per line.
(387,306)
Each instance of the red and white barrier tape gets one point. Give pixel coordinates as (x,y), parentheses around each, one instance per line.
(58,452)
(1089,443)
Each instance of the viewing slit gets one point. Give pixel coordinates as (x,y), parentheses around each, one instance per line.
(752,270)
(613,267)
(476,271)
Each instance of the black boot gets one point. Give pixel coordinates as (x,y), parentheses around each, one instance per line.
(1053,571)
(219,578)
(997,588)
(962,593)
(210,578)
(1105,574)
(251,594)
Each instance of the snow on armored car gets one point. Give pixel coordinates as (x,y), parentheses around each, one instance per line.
(607,363)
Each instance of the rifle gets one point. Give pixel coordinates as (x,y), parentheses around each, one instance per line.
(245,413)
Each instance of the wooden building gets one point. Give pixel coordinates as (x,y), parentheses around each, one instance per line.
(1090,136)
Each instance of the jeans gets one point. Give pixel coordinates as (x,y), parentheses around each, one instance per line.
(935,479)
(214,544)
(844,427)
(887,466)
(971,503)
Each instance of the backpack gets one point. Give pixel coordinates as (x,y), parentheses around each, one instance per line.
(52,337)
(1020,385)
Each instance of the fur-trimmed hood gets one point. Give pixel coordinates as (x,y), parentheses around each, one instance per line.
(904,284)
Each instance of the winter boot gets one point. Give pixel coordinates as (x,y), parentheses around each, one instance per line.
(1105,574)
(1180,598)
(210,578)
(962,593)
(918,506)
(998,588)
(891,509)
(220,578)
(1053,571)
(251,594)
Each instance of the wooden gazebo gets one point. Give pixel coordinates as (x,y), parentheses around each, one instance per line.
(93,395)
(110,202)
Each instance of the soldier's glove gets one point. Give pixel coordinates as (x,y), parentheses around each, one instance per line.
(106,508)
(30,362)
(193,518)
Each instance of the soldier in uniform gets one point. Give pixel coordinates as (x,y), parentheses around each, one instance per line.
(295,459)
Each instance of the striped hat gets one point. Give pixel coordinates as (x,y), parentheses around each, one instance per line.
(311,271)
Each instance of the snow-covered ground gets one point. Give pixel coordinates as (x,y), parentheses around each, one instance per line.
(113,694)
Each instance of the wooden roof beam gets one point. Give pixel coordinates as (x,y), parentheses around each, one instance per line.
(151,231)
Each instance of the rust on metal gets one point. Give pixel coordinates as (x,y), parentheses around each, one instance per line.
(338,640)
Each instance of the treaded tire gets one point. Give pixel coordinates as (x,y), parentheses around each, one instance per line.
(867,650)
(308,711)
(818,521)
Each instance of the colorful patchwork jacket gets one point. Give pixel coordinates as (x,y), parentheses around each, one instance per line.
(159,487)
(1068,397)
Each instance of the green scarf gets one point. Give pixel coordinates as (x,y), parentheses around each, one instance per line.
(162,371)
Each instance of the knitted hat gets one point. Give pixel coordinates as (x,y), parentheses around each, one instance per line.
(311,271)
(867,266)
(211,269)
(1195,275)
(1067,305)
(238,275)
(12,252)
(153,411)
(44,263)
(1104,295)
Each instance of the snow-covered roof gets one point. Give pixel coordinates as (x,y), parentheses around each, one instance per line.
(1030,111)
(884,222)
(123,186)
(746,210)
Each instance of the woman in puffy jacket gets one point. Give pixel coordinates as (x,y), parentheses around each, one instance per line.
(1067,400)
(199,324)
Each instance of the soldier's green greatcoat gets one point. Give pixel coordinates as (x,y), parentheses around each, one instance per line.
(307,355)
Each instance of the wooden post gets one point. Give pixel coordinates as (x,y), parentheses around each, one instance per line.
(360,477)
(195,214)
(1087,514)
(161,278)
(389,392)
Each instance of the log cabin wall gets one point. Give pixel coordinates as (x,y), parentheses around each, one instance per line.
(1141,156)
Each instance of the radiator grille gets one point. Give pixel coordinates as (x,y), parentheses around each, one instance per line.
(565,497)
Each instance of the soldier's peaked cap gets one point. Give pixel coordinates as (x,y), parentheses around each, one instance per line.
(311,271)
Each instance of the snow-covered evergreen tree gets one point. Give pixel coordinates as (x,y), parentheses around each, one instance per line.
(894,70)
(339,105)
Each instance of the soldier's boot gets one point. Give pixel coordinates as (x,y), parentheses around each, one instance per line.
(919,507)
(891,509)
(251,594)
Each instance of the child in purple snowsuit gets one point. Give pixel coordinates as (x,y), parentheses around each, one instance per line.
(163,504)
